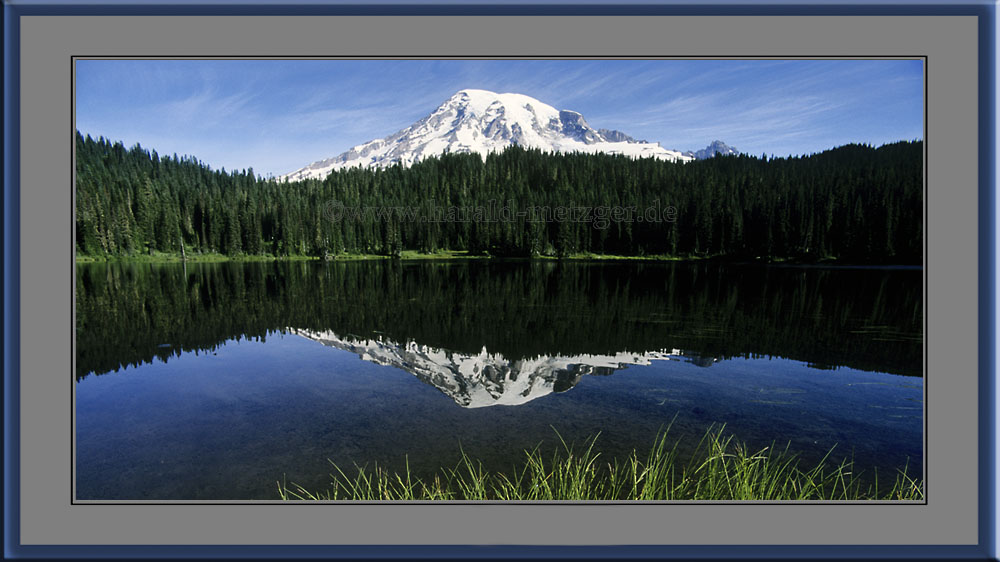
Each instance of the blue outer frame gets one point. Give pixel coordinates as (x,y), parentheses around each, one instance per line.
(986,549)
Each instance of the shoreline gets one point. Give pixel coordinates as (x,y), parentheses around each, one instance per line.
(465,256)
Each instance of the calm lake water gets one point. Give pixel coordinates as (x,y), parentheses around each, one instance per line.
(215,381)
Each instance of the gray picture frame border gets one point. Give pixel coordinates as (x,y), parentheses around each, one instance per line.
(25,224)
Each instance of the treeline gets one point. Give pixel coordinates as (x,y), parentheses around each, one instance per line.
(854,203)
(129,313)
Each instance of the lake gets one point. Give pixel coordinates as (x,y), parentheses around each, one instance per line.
(214,381)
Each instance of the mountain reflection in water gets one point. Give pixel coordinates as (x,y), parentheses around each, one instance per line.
(866,319)
(490,379)
(214,381)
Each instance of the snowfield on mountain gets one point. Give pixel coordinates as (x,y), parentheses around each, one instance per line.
(481,122)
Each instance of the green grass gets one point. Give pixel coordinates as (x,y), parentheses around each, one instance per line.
(440,255)
(719,469)
(405,255)
(167,257)
(587,256)
(410,255)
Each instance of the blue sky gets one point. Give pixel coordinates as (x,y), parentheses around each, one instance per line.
(277,116)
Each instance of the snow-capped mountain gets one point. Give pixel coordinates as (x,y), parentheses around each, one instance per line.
(479,121)
(717,147)
(489,379)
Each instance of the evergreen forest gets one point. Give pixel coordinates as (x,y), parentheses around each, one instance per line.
(853,204)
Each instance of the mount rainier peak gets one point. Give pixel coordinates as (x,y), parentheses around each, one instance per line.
(479,121)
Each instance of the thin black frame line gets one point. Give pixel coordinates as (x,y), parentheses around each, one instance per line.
(925,276)
(72,395)
(498,57)
(496,502)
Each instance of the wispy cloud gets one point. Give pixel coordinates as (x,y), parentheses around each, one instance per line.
(209,108)
(280,115)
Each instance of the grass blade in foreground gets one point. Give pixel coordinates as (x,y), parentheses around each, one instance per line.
(719,469)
